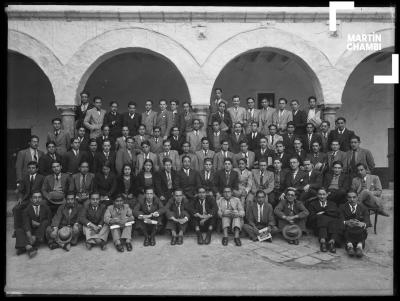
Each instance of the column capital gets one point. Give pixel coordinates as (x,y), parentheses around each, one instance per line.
(330,107)
(66,109)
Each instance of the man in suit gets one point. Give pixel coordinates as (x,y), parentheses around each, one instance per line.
(368,188)
(299,152)
(91,218)
(214,106)
(207,177)
(140,137)
(105,155)
(156,142)
(166,181)
(74,157)
(81,110)
(204,211)
(336,155)
(318,159)
(131,119)
(146,154)
(238,114)
(324,133)
(185,119)
(168,153)
(149,117)
(252,115)
(273,137)
(226,177)
(189,179)
(216,136)
(259,215)
(220,156)
(46,160)
(263,180)
(310,138)
(244,153)
(313,114)
(231,211)
(355,217)
(67,216)
(337,183)
(194,162)
(82,184)
(223,117)
(265,116)
(289,136)
(282,116)
(194,137)
(27,155)
(279,182)
(164,119)
(113,119)
(35,219)
(176,140)
(358,155)
(106,135)
(174,108)
(83,139)
(121,141)
(55,187)
(91,155)
(282,155)
(341,134)
(263,152)
(295,178)
(253,136)
(299,118)
(59,136)
(94,118)
(236,137)
(31,182)
(204,153)
(126,156)
(314,181)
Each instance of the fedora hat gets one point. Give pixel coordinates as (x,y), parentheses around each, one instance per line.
(291,232)
(64,235)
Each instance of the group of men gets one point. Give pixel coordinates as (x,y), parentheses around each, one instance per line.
(263,171)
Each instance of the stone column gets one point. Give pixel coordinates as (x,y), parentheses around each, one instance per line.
(329,112)
(202,112)
(68,118)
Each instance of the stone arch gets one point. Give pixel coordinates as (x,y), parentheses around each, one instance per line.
(92,53)
(310,57)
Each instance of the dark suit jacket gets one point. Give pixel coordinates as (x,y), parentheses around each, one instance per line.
(210,183)
(84,145)
(315,181)
(254,144)
(234,143)
(62,217)
(25,188)
(140,182)
(45,164)
(80,115)
(227,120)
(361,214)
(105,186)
(177,144)
(29,215)
(161,183)
(282,176)
(288,142)
(115,129)
(344,139)
(222,136)
(285,159)
(343,183)
(75,183)
(88,215)
(171,210)
(91,160)
(121,186)
(72,162)
(331,210)
(301,157)
(220,180)
(142,209)
(307,145)
(23,158)
(100,158)
(267,217)
(100,140)
(267,153)
(300,121)
(190,183)
(325,147)
(210,204)
(48,184)
(298,182)
(132,123)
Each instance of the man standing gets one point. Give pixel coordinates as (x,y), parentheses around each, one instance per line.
(207,177)
(126,156)
(204,153)
(113,119)
(166,181)
(185,121)
(82,184)
(238,114)
(81,110)
(140,137)
(174,108)
(324,133)
(105,155)
(253,137)
(318,159)
(131,119)
(164,119)
(246,154)
(146,154)
(313,114)
(194,162)
(27,155)
(273,137)
(223,118)
(59,136)
(194,137)
(263,151)
(74,157)
(236,137)
(263,180)
(176,139)
(46,160)
(189,179)
(358,155)
(226,177)
(299,152)
(215,103)
(289,136)
(282,116)
(299,118)
(336,155)
(83,139)
(252,115)
(282,155)
(149,117)
(94,118)
(265,116)
(216,136)
(311,137)
(219,157)
(341,134)
(168,153)
(337,183)
(156,142)
(296,178)
(106,135)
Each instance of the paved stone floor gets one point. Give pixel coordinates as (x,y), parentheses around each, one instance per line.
(256,268)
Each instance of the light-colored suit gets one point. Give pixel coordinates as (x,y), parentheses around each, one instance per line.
(265,120)
(120,143)
(195,141)
(238,115)
(150,121)
(23,158)
(165,122)
(250,159)
(249,119)
(219,158)
(156,148)
(316,120)
(362,156)
(93,121)
(281,120)
(139,141)
(339,156)
(200,157)
(245,181)
(271,145)
(235,204)
(267,184)
(122,157)
(173,155)
(371,194)
(140,161)
(62,140)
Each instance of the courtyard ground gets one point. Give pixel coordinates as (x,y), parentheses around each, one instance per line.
(256,268)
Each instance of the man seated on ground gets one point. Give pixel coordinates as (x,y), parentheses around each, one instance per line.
(36,218)
(259,215)
(119,218)
(204,212)
(325,220)
(337,183)
(65,228)
(231,211)
(355,218)
(369,189)
(149,212)
(290,211)
(92,219)
(82,184)
(178,216)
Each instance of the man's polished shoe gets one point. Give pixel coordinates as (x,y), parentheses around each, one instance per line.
(20,251)
(103,245)
(296,241)
(350,251)
(180,240)
(152,241)
(53,246)
(32,252)
(128,246)
(332,248)
(88,246)
(208,239)
(359,252)
(146,241)
(199,239)
(268,240)
(67,247)
(173,240)
(224,241)
(120,248)
(322,247)
(237,241)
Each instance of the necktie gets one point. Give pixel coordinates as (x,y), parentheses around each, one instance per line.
(353,161)
(207,175)
(106,154)
(69,211)
(228,204)
(53,156)
(169,182)
(36,208)
(129,153)
(187,172)
(353,209)
(156,140)
(148,206)
(272,140)
(205,153)
(309,138)
(56,133)
(262,152)
(83,183)
(95,208)
(259,213)
(254,135)
(227,177)
(195,132)
(179,210)
(35,157)
(57,177)
(323,204)
(237,137)
(226,154)
(261,178)
(31,182)
(290,136)
(291,208)
(204,207)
